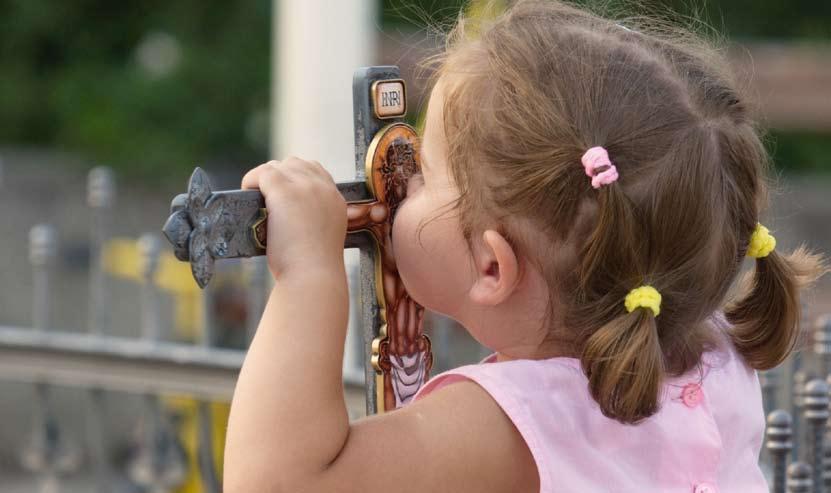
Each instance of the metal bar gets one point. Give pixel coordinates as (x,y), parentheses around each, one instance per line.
(124,365)
(800,378)
(779,444)
(158,464)
(48,455)
(100,199)
(799,478)
(204,444)
(205,457)
(816,415)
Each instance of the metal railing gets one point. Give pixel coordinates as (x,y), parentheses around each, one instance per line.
(148,366)
(796,455)
(797,452)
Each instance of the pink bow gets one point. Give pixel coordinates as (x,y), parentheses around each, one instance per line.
(595,158)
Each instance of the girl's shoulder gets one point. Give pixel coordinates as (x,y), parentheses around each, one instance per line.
(564,374)
(712,411)
(522,389)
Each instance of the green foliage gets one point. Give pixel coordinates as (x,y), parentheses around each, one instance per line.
(804,19)
(72,80)
(406,15)
(70,75)
(800,152)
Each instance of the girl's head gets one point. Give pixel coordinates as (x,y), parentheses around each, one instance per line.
(520,104)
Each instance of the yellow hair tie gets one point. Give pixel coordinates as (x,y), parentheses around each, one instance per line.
(761,242)
(644,297)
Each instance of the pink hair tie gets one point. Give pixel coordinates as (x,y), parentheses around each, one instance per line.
(595,158)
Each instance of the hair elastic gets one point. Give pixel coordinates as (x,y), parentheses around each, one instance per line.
(761,242)
(644,297)
(595,158)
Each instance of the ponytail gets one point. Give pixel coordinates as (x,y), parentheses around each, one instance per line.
(623,359)
(766,320)
(625,366)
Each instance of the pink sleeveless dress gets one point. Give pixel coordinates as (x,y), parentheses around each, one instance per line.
(705,438)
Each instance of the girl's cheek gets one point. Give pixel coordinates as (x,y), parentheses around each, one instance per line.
(428,263)
(404,224)
(401,222)
(404,244)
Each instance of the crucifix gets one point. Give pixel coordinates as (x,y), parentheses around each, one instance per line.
(205,226)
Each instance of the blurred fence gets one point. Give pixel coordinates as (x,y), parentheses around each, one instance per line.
(796,455)
(797,452)
(152,366)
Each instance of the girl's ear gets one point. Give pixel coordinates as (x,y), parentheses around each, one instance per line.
(497,270)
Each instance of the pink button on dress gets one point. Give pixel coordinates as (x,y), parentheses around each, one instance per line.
(705,438)
(691,394)
(705,488)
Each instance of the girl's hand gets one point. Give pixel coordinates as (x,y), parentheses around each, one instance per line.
(306,216)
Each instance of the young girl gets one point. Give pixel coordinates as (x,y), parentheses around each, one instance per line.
(588,194)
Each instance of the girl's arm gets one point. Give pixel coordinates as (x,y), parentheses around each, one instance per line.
(288,417)
(289,430)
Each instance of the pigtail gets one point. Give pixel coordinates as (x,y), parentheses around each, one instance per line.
(623,359)
(625,366)
(611,249)
(766,320)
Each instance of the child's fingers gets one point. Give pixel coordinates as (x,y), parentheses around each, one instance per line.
(306,168)
(318,169)
(252,178)
(300,175)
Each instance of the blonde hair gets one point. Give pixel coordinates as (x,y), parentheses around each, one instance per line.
(535,88)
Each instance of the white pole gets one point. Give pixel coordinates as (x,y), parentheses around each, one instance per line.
(316,46)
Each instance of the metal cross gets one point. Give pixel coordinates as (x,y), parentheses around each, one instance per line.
(206,226)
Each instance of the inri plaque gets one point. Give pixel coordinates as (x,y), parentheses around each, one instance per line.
(389,98)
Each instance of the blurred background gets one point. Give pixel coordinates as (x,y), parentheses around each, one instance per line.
(106,107)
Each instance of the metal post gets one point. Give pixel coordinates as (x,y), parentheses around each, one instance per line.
(167,454)
(42,251)
(204,417)
(208,474)
(799,478)
(779,445)
(100,199)
(822,345)
(800,379)
(826,463)
(816,417)
(159,465)
(207,338)
(315,92)
(826,467)
(48,452)
(769,381)
(149,247)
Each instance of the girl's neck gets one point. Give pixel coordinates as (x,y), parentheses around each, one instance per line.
(544,351)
